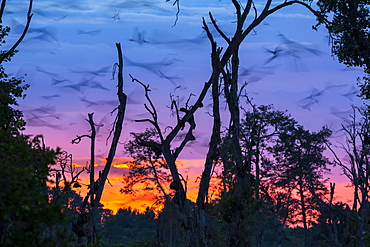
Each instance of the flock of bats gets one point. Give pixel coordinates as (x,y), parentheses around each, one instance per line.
(41,116)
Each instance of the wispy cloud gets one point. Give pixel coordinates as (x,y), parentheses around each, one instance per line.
(293,16)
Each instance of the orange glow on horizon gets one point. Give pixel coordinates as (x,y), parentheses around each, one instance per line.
(190,169)
(112,197)
(344,193)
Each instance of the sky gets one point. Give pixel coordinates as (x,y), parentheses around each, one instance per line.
(68,58)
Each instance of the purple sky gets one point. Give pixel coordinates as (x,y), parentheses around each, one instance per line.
(69,53)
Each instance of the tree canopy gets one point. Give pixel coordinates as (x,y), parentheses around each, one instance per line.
(269,170)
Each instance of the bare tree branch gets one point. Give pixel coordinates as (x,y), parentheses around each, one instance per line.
(20,39)
(2,8)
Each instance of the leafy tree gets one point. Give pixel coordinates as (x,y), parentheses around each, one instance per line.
(11,88)
(348,23)
(298,165)
(365,86)
(260,126)
(27,215)
(25,209)
(332,226)
(148,169)
(129,226)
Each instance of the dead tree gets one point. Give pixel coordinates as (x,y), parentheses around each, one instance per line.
(229,64)
(85,224)
(225,65)
(66,177)
(356,166)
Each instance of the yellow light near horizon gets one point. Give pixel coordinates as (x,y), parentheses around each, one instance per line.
(123,165)
(78,165)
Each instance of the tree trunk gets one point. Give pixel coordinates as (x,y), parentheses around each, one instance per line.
(303,210)
(96,188)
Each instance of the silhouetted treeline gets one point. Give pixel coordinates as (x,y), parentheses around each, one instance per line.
(263,181)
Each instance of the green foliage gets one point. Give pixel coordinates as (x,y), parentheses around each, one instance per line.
(259,128)
(27,215)
(364,84)
(148,169)
(147,243)
(10,89)
(5,55)
(281,157)
(298,163)
(333,220)
(142,153)
(25,209)
(129,226)
(348,22)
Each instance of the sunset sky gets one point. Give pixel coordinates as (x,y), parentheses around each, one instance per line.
(68,56)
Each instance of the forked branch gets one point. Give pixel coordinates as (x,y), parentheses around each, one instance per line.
(25,30)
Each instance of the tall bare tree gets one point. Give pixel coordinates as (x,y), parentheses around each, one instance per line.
(85,224)
(224,77)
(356,166)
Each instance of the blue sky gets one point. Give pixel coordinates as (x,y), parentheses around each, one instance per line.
(69,53)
